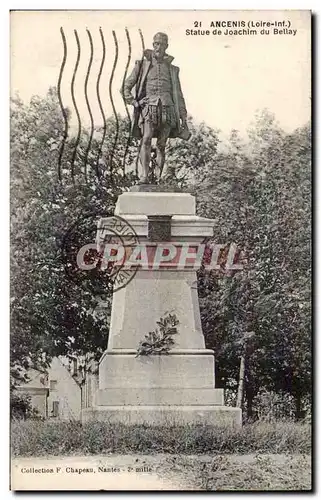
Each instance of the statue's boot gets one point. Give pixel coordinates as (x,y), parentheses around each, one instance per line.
(143,180)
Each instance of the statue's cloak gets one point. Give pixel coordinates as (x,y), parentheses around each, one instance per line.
(137,81)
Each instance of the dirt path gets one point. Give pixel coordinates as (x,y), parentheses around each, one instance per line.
(163,472)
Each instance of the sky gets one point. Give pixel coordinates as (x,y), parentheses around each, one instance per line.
(225,78)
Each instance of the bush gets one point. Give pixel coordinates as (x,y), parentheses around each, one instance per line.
(21,407)
(31,438)
(272,406)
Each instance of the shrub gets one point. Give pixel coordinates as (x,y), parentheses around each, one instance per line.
(272,406)
(21,407)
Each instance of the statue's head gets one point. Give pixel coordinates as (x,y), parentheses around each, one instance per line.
(160,44)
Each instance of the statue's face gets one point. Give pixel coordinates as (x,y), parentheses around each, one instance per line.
(160,46)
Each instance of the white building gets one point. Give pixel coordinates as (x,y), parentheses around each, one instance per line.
(63,390)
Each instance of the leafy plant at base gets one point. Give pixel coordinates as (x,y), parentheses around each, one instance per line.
(161,340)
(21,406)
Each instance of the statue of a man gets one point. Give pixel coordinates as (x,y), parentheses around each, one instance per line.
(159,105)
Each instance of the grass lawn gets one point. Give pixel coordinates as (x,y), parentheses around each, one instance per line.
(43,438)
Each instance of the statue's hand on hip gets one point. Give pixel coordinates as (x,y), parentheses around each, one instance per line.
(141,103)
(183,123)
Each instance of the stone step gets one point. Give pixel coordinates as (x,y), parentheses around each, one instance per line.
(159,396)
(218,416)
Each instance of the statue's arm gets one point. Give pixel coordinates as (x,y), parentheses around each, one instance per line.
(129,83)
(181,100)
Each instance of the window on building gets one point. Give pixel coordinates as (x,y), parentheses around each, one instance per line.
(55,408)
(53,384)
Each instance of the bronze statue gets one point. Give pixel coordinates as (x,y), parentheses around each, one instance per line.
(159,105)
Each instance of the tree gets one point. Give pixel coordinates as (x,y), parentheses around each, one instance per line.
(50,314)
(259,195)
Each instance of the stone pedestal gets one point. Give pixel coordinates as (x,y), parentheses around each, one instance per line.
(160,389)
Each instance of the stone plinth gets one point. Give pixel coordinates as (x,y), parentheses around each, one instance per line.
(160,389)
(155,204)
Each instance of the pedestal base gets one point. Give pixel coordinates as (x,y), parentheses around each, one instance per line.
(174,389)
